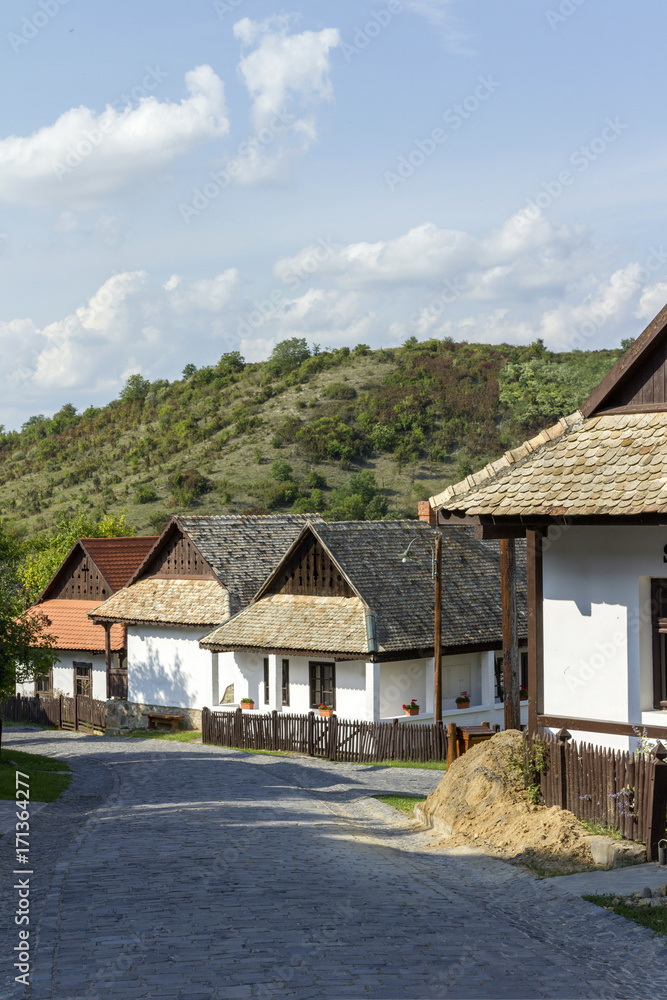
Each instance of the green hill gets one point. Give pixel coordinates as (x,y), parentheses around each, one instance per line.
(351,433)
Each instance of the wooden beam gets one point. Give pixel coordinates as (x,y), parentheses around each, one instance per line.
(437,631)
(535,628)
(602,726)
(510,635)
(107,657)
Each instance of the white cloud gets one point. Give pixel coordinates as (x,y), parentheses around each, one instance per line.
(209,294)
(84,157)
(288,76)
(441,14)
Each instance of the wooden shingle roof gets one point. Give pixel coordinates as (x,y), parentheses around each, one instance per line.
(168,602)
(398,595)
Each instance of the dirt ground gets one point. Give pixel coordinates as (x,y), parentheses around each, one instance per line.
(480,803)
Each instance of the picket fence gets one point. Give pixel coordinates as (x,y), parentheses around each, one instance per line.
(332,738)
(612,788)
(80,713)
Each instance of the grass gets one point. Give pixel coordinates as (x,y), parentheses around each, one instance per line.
(48,777)
(601,831)
(182,736)
(653,918)
(404,803)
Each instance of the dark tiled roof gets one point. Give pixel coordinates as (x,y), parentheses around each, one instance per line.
(399,594)
(118,558)
(243,549)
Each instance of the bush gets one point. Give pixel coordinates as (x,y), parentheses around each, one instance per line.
(339,390)
(286,432)
(329,437)
(314,481)
(159,520)
(145,494)
(282,471)
(188,485)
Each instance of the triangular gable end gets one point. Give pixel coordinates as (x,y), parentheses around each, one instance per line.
(77,578)
(308,569)
(638,381)
(175,556)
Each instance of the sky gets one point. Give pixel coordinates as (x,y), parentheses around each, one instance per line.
(183,178)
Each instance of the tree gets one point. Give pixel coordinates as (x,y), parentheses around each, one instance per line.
(189,370)
(287,355)
(135,389)
(48,550)
(27,650)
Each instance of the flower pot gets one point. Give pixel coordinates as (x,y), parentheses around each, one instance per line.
(326,713)
(411,711)
(247,705)
(463,704)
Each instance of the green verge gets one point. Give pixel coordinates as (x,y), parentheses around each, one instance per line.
(601,831)
(404,803)
(48,777)
(654,919)
(182,736)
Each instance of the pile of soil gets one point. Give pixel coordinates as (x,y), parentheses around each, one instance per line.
(481,803)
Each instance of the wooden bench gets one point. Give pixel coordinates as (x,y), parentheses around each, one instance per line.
(155,717)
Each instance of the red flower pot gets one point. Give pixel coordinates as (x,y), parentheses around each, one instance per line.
(463,704)
(247,705)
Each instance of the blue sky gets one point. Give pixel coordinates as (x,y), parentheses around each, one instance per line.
(182,179)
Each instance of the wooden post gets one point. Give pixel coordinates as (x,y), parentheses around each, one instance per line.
(656,801)
(274,729)
(107,655)
(311,739)
(510,636)
(535,629)
(437,636)
(451,744)
(561,743)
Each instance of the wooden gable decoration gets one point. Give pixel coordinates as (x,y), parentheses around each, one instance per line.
(175,556)
(638,381)
(309,570)
(77,579)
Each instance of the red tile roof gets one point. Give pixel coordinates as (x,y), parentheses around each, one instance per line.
(118,558)
(68,621)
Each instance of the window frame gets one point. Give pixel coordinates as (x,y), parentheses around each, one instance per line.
(45,679)
(659,639)
(77,665)
(285,680)
(266,680)
(317,686)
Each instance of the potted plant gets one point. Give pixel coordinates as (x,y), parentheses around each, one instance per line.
(247,703)
(463,700)
(412,708)
(523,693)
(326,711)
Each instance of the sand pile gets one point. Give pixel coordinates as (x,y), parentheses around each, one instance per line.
(480,802)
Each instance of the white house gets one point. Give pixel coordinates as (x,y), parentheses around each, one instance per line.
(590,494)
(93,569)
(346,620)
(198,572)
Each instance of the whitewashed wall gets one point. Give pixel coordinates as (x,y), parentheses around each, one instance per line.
(165,666)
(597,625)
(63,674)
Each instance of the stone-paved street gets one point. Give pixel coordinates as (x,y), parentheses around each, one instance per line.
(181,871)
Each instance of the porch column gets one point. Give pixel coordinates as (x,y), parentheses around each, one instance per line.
(510,636)
(372,692)
(488,678)
(215,681)
(275,683)
(107,656)
(535,628)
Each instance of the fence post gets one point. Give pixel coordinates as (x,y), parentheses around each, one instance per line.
(238,727)
(451,744)
(76,713)
(60,711)
(311,738)
(274,728)
(562,736)
(333,736)
(656,801)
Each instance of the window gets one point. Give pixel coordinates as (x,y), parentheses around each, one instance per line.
(83,678)
(523,673)
(659,629)
(322,684)
(266,680)
(44,685)
(285,682)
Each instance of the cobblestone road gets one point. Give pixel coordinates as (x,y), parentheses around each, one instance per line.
(183,871)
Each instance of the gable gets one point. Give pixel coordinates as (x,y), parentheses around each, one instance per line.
(311,571)
(176,557)
(78,579)
(638,380)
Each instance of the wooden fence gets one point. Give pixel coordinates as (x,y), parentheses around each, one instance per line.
(333,739)
(612,788)
(81,713)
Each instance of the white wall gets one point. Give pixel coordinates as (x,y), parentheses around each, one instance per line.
(597,624)
(63,674)
(165,666)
